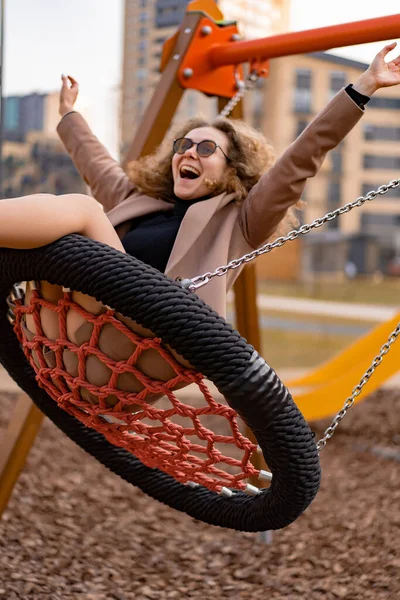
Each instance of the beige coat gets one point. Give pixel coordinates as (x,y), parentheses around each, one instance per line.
(217,230)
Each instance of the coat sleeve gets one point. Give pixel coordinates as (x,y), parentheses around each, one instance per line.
(282,186)
(107,180)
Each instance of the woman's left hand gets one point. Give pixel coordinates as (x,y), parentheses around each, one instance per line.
(68,94)
(380,73)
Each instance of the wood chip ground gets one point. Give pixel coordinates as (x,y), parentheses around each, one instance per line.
(74,531)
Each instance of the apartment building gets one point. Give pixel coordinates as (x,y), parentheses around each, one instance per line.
(31,112)
(34,158)
(369,157)
(23,114)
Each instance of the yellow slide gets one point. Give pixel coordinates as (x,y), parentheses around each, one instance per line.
(322,392)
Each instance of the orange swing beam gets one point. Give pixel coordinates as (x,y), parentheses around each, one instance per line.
(300,42)
(215,53)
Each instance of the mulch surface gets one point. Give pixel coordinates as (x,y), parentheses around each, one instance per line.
(73,530)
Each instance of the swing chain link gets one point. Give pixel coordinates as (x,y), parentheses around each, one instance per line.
(328,433)
(243,87)
(197,282)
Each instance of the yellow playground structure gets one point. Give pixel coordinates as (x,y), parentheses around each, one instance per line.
(320,393)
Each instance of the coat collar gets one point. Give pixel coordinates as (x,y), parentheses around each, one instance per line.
(192,226)
(136,205)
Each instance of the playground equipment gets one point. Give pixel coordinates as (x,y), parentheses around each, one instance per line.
(280,430)
(319,393)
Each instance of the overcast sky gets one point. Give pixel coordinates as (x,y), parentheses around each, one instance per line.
(44,38)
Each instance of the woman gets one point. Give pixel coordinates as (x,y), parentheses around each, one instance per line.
(200,201)
(189,208)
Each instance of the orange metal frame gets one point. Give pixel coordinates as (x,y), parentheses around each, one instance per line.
(216,53)
(311,40)
(196,71)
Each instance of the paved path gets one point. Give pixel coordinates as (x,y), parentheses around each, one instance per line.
(361,312)
(292,323)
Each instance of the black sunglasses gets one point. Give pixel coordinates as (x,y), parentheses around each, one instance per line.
(204,148)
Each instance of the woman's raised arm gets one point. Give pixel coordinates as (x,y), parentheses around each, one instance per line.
(107,180)
(282,186)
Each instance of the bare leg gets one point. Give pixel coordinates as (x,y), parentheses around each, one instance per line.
(37,220)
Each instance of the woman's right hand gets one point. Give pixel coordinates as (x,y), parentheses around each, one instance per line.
(380,73)
(68,94)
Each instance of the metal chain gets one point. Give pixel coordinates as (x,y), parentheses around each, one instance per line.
(243,86)
(197,282)
(328,433)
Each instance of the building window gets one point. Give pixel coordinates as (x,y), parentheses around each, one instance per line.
(11,113)
(389,103)
(376,132)
(371,161)
(336,162)
(369,187)
(380,224)
(142,45)
(143,31)
(170,13)
(143,3)
(301,125)
(141,61)
(191,104)
(258,107)
(141,73)
(334,197)
(302,92)
(143,16)
(337,81)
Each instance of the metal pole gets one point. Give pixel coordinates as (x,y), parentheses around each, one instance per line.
(301,42)
(2,10)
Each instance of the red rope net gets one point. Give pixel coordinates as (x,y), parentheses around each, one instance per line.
(115,396)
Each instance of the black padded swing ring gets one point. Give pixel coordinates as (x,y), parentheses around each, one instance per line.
(204,339)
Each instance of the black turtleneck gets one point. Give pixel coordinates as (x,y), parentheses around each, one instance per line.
(151,237)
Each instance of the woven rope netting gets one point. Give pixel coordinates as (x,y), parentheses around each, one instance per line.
(90,364)
(104,380)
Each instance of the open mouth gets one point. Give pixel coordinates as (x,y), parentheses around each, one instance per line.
(187,172)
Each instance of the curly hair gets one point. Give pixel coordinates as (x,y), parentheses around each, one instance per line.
(250,155)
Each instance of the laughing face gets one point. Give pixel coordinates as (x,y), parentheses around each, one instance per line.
(191,171)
